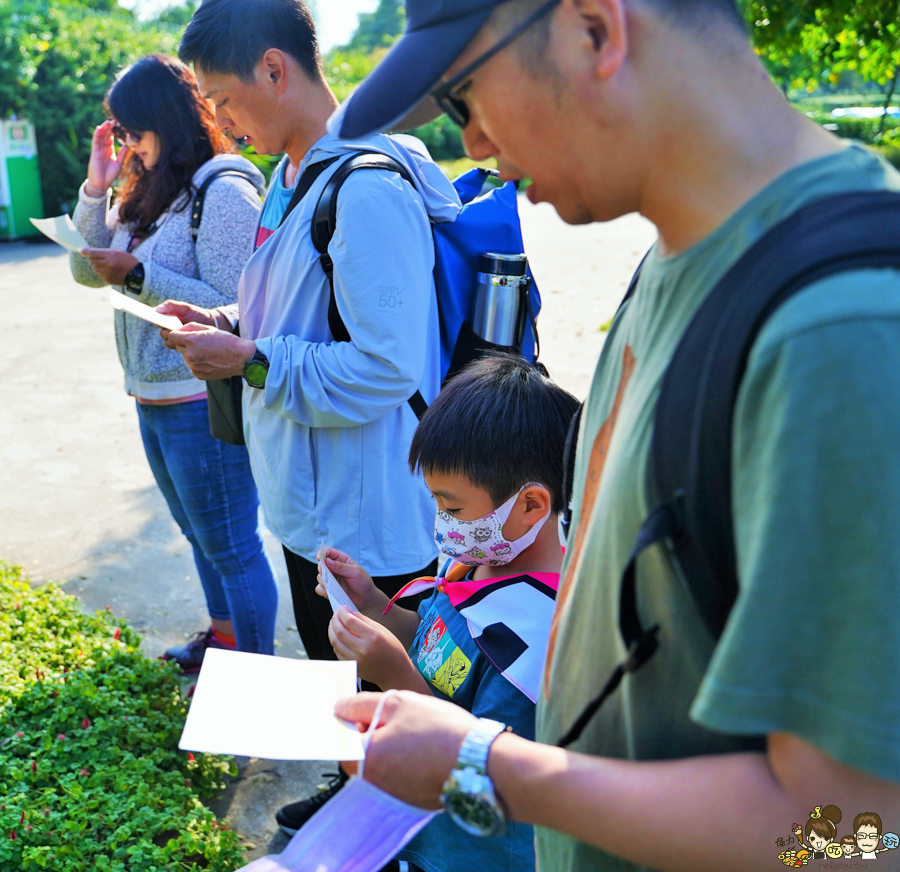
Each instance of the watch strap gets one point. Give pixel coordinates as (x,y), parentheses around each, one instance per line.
(134,281)
(259,359)
(477,745)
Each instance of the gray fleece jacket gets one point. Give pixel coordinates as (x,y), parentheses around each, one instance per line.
(205,274)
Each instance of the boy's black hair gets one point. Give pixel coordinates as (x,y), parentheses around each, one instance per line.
(230,36)
(501,423)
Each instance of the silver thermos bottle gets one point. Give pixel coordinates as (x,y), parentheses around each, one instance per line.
(500,298)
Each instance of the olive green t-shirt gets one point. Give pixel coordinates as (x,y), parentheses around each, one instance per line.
(812,646)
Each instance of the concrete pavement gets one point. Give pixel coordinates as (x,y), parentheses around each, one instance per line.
(79,505)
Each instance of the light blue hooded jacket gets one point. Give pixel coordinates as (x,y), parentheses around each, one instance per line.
(329,434)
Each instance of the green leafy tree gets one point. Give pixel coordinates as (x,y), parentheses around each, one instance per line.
(806,44)
(57,61)
(378,29)
(179,14)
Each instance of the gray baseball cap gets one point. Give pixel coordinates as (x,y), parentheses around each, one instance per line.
(395,95)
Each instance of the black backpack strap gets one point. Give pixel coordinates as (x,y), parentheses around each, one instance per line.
(569,454)
(640,644)
(692,435)
(304,183)
(200,195)
(323,227)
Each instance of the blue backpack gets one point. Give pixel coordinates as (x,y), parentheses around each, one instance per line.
(488,222)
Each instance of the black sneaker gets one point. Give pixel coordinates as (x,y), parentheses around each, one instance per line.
(190,655)
(292,816)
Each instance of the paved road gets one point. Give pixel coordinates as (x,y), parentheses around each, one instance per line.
(78,503)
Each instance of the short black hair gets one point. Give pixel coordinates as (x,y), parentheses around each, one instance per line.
(532,45)
(501,423)
(230,36)
(691,11)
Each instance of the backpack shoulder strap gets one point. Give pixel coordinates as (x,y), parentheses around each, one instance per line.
(304,183)
(323,227)
(325,221)
(692,435)
(200,195)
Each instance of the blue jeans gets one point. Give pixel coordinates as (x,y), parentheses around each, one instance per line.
(212,496)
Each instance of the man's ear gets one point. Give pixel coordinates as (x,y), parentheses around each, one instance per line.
(273,69)
(604,26)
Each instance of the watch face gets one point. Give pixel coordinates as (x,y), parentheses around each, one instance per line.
(471,804)
(256,373)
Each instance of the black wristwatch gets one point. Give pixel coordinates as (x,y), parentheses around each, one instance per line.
(256,369)
(134,281)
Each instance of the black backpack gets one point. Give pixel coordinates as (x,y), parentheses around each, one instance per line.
(692,436)
(223,395)
(200,194)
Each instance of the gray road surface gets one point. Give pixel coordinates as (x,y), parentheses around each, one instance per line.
(79,505)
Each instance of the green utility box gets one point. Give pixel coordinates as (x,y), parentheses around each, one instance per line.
(20,180)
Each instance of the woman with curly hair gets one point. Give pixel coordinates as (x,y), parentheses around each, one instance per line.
(144,246)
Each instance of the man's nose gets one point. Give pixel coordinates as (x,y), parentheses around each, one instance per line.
(224,122)
(477,144)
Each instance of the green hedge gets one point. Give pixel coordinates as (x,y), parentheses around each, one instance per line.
(867,130)
(90,772)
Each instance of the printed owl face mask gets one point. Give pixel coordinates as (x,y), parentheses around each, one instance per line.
(474,543)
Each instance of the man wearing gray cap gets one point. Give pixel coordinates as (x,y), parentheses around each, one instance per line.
(715,746)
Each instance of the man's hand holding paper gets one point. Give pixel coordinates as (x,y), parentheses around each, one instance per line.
(188,313)
(209,352)
(415,745)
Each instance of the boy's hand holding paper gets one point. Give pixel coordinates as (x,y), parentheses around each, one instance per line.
(355,588)
(380,656)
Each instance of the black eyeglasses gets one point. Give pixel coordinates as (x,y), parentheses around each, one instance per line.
(124,135)
(455,106)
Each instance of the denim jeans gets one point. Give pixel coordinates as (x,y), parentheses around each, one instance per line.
(212,496)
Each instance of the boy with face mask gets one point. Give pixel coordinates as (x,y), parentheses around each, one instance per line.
(490,448)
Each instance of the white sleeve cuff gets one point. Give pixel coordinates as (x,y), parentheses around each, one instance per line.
(86,198)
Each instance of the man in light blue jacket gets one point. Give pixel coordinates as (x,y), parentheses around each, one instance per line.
(327,423)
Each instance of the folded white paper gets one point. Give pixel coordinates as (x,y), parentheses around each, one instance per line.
(62,231)
(140,310)
(337,596)
(271,707)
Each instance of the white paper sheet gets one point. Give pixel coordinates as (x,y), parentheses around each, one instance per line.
(337,596)
(271,707)
(140,310)
(62,231)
